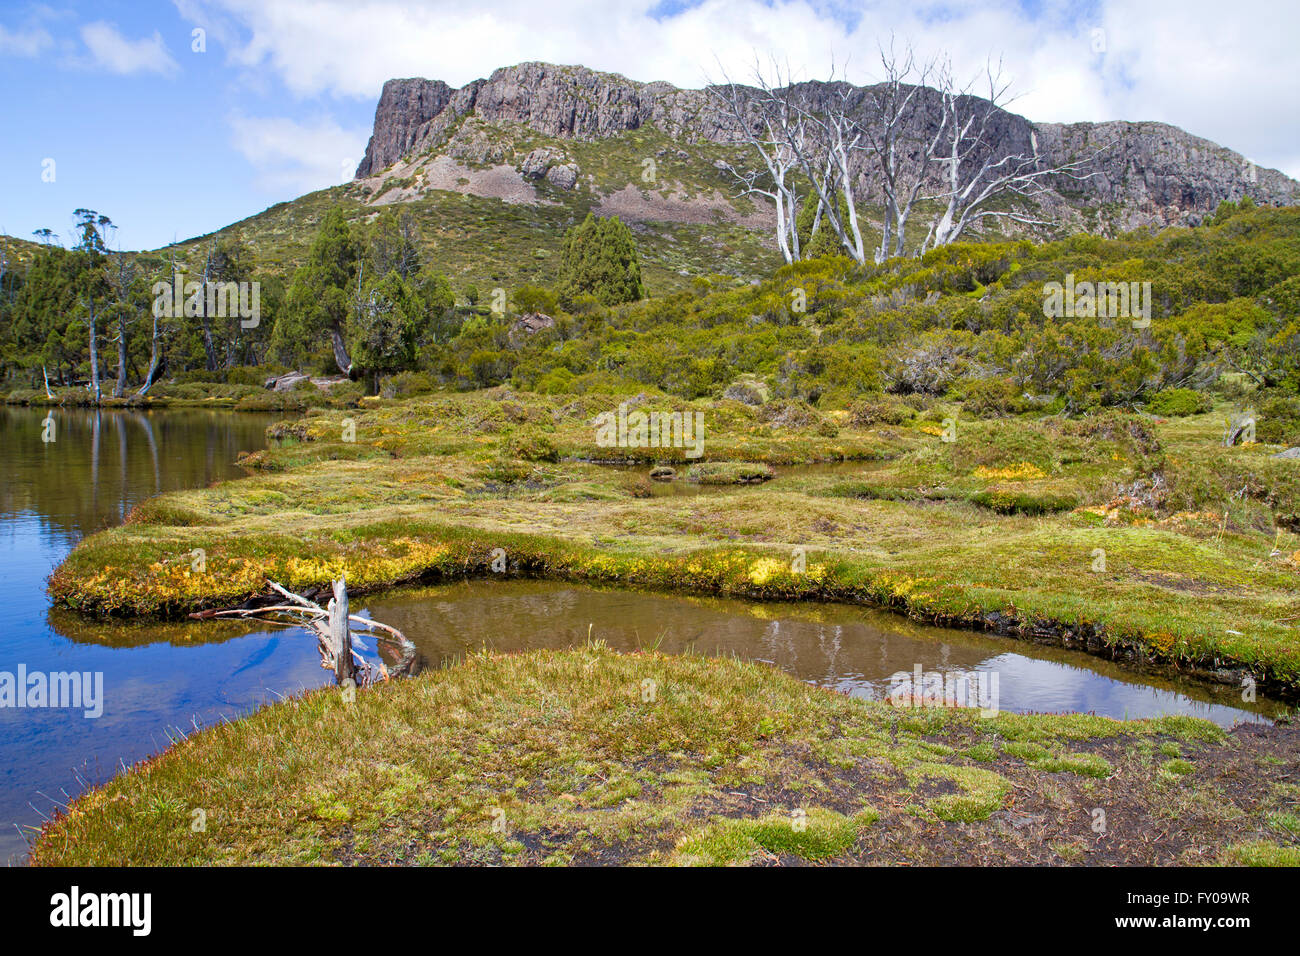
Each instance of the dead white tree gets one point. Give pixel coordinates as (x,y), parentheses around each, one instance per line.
(335,631)
(769,123)
(899,140)
(814,136)
(121,278)
(825,155)
(799,133)
(157,340)
(210,267)
(974,174)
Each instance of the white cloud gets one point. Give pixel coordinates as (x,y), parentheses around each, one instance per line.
(215,24)
(1229,76)
(115,53)
(297,157)
(29,42)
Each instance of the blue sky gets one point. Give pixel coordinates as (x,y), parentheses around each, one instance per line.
(173,143)
(147,132)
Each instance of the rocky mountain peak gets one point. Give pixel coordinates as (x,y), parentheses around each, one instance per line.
(1148,173)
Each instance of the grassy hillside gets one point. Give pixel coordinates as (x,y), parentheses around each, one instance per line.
(966,322)
(646,176)
(488,242)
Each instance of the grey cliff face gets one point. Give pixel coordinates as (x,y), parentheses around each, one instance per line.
(1150,172)
(405,106)
(1153,166)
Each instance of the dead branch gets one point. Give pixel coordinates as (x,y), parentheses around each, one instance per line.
(333,638)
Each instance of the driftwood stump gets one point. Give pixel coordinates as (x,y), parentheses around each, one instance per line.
(333,627)
(345,668)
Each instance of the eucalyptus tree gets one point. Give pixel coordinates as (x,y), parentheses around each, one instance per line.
(93,288)
(902,138)
(772,126)
(123,309)
(320,295)
(918,136)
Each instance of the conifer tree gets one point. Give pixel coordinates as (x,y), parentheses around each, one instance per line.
(599,260)
(320,295)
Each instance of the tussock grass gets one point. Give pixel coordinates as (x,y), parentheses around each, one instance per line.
(586,755)
(431,487)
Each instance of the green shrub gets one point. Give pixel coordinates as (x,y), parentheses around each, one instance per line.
(407,384)
(1023,502)
(530,444)
(344,394)
(990,397)
(729,473)
(1177,402)
(556,382)
(250,375)
(25,396)
(1277,420)
(789,413)
(879,410)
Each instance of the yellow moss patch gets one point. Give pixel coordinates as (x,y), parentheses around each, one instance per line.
(1024,471)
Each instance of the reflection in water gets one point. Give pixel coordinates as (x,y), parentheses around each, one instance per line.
(99,466)
(680,486)
(854,650)
(103,463)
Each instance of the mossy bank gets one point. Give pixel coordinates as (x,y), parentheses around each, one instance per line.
(1139,538)
(588,756)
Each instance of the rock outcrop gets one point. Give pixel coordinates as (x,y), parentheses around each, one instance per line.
(527,325)
(551,165)
(1148,173)
(405,108)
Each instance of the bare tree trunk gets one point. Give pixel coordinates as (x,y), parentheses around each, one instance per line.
(121,278)
(897,108)
(341,357)
(120,385)
(94,348)
(827,163)
(340,634)
(854,239)
(209,349)
(975,175)
(155,359)
(780,124)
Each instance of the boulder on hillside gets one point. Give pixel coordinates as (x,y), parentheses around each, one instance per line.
(530,323)
(551,165)
(564,176)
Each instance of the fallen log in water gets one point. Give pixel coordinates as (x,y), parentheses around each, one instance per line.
(333,627)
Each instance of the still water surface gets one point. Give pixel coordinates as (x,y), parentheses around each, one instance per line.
(98,467)
(158,678)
